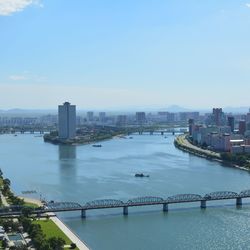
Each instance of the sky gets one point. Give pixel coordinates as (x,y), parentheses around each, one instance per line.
(106,54)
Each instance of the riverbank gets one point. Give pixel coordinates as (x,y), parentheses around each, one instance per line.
(76,141)
(68,232)
(181,142)
(31,201)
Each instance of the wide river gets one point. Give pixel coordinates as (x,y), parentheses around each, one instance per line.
(85,173)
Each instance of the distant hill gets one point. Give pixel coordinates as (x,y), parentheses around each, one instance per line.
(176,108)
(128,110)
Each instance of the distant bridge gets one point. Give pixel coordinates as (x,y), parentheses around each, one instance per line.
(135,202)
(31,130)
(161,131)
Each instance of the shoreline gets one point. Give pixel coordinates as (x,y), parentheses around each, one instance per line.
(60,224)
(75,142)
(182,143)
(31,200)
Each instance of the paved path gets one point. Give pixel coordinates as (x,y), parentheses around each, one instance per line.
(74,238)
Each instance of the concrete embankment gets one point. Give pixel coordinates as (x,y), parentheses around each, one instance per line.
(71,235)
(182,143)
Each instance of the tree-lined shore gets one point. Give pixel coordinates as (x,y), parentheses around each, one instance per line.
(241,161)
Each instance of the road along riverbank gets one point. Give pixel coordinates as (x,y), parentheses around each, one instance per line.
(181,142)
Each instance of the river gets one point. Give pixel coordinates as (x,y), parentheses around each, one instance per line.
(85,173)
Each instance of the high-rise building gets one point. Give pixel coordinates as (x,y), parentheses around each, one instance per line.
(121,120)
(218,116)
(90,116)
(140,117)
(242,127)
(67,121)
(248,117)
(102,116)
(230,122)
(191,126)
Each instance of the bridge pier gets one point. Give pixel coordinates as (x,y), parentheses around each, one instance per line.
(125,210)
(83,213)
(203,204)
(165,207)
(151,132)
(162,133)
(239,201)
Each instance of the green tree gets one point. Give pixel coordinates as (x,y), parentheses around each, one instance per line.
(6,182)
(27,211)
(26,223)
(56,243)
(72,246)
(38,240)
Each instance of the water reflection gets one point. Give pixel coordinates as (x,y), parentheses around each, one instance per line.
(67,152)
(67,163)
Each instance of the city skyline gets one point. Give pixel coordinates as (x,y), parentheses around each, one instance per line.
(124,55)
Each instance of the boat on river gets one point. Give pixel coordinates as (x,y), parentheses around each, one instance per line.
(97,145)
(141,175)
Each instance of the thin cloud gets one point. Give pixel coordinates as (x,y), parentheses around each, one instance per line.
(8,7)
(27,76)
(18,77)
(248,5)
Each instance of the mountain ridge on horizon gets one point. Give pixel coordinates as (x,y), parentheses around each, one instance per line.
(172,108)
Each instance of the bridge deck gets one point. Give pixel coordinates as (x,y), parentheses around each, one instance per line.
(135,202)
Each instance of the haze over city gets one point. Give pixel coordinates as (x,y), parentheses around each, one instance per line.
(124,124)
(126,54)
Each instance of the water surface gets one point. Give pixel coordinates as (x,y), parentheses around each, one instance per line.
(85,173)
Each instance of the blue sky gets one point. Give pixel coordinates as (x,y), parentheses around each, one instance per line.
(128,53)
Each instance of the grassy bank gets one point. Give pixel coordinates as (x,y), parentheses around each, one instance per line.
(50,229)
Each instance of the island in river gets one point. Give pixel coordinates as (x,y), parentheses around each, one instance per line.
(90,134)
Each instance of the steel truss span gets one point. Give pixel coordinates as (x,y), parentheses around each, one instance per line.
(221,195)
(145,199)
(62,205)
(184,197)
(139,201)
(104,203)
(245,193)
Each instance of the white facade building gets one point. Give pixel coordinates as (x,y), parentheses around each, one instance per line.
(67,121)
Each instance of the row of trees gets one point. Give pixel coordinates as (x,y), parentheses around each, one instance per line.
(7,193)
(239,159)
